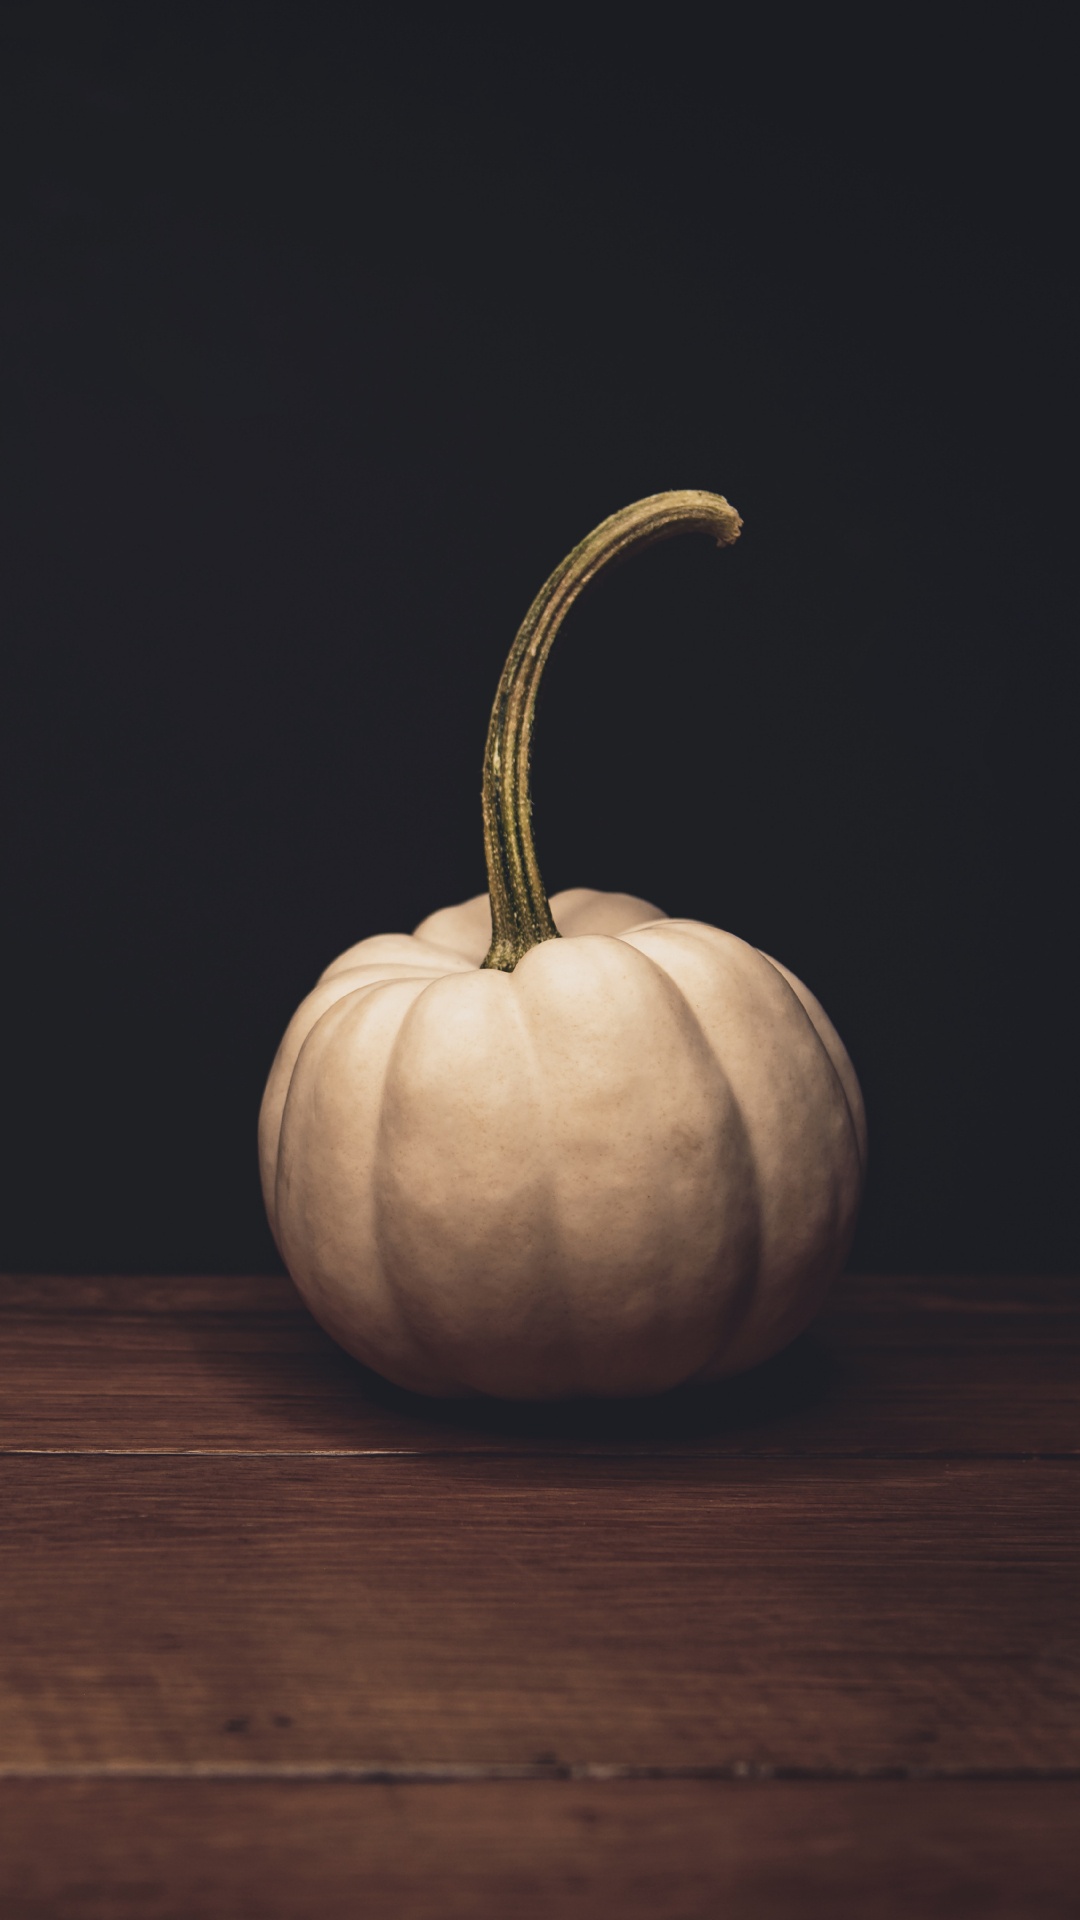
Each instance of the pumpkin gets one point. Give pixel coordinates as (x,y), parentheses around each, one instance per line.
(536,1148)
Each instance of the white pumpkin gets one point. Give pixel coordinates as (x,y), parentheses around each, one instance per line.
(596,1152)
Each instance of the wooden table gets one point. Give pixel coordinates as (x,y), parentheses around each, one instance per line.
(280,1640)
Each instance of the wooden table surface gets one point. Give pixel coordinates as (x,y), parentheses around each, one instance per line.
(277,1639)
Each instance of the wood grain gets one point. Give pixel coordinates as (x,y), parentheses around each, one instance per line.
(806,1643)
(894,1368)
(691,1850)
(656,1612)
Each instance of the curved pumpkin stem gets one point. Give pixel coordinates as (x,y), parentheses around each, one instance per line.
(520,914)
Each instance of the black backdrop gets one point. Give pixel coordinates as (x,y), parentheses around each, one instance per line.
(320,347)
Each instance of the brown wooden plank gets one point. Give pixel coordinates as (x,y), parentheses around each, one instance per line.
(168,1850)
(523,1610)
(892,1368)
(126,1293)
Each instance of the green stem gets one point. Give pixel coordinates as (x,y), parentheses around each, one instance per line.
(520,914)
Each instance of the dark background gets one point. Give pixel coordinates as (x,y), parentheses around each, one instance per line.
(321,344)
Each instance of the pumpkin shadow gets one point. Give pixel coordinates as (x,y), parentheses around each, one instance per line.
(276,1374)
(780,1391)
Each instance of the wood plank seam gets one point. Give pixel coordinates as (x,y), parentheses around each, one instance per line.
(455,1773)
(630,1451)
